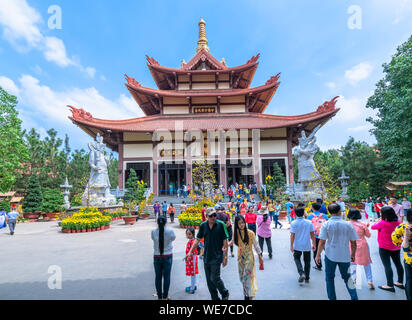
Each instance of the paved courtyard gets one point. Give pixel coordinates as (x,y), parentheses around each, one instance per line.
(118,264)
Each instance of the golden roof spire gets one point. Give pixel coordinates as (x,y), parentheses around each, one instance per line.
(202,42)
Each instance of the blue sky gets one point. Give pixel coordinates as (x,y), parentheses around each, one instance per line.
(309,42)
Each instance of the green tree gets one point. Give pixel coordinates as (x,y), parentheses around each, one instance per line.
(203,173)
(276,183)
(392,100)
(113,168)
(33,201)
(52,200)
(13,150)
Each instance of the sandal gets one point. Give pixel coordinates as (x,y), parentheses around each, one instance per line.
(400,286)
(387,289)
(371,286)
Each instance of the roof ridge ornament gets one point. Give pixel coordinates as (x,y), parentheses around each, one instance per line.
(273,79)
(328,106)
(152,61)
(202,42)
(132,81)
(253,59)
(80,114)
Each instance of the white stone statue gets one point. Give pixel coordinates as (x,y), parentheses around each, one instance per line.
(97,192)
(304,154)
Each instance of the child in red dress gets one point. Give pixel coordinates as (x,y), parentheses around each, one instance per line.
(191,263)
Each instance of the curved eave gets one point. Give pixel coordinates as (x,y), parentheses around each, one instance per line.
(208,122)
(201,93)
(160,73)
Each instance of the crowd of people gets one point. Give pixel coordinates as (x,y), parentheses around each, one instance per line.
(342,237)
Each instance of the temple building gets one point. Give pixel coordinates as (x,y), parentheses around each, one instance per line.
(203,110)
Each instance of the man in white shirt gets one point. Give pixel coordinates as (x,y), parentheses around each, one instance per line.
(335,236)
(301,232)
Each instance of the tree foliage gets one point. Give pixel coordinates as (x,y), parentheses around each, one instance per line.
(203,174)
(33,201)
(13,151)
(392,100)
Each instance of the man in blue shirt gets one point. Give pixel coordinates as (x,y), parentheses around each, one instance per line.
(289,207)
(322,206)
(164,208)
(12,219)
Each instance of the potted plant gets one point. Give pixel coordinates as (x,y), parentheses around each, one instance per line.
(52,203)
(32,203)
(129,219)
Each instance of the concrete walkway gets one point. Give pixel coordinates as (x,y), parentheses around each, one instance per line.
(117,264)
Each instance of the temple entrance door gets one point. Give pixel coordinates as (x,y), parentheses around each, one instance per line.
(239,172)
(171,174)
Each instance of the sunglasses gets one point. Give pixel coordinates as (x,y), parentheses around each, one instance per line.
(213,215)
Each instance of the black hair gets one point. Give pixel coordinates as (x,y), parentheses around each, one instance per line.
(278,201)
(409,215)
(354,214)
(171,204)
(161,221)
(319,200)
(300,204)
(393,197)
(205,205)
(333,208)
(288,199)
(265,217)
(237,231)
(300,211)
(191,230)
(183,202)
(388,214)
(316,206)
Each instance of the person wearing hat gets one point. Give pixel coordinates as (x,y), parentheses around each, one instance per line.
(216,238)
(264,231)
(12,218)
(223,216)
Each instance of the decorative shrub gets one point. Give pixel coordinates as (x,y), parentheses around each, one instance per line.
(52,200)
(86,218)
(33,201)
(5,204)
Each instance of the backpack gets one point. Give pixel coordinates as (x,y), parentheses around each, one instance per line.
(317,222)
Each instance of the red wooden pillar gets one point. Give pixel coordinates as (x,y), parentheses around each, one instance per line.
(290,160)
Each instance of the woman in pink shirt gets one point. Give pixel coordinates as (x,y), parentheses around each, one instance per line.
(263,230)
(387,250)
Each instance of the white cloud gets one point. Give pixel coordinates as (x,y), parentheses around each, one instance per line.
(358,72)
(9,85)
(330,85)
(43,102)
(364,127)
(21,28)
(55,51)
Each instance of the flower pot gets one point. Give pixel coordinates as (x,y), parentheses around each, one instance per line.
(129,220)
(93,229)
(31,215)
(145,216)
(89,230)
(49,216)
(84,230)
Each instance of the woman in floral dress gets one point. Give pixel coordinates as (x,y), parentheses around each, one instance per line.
(245,239)
(191,263)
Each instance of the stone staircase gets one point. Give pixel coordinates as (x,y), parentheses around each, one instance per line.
(178,201)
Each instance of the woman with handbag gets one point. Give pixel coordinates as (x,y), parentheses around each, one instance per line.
(245,240)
